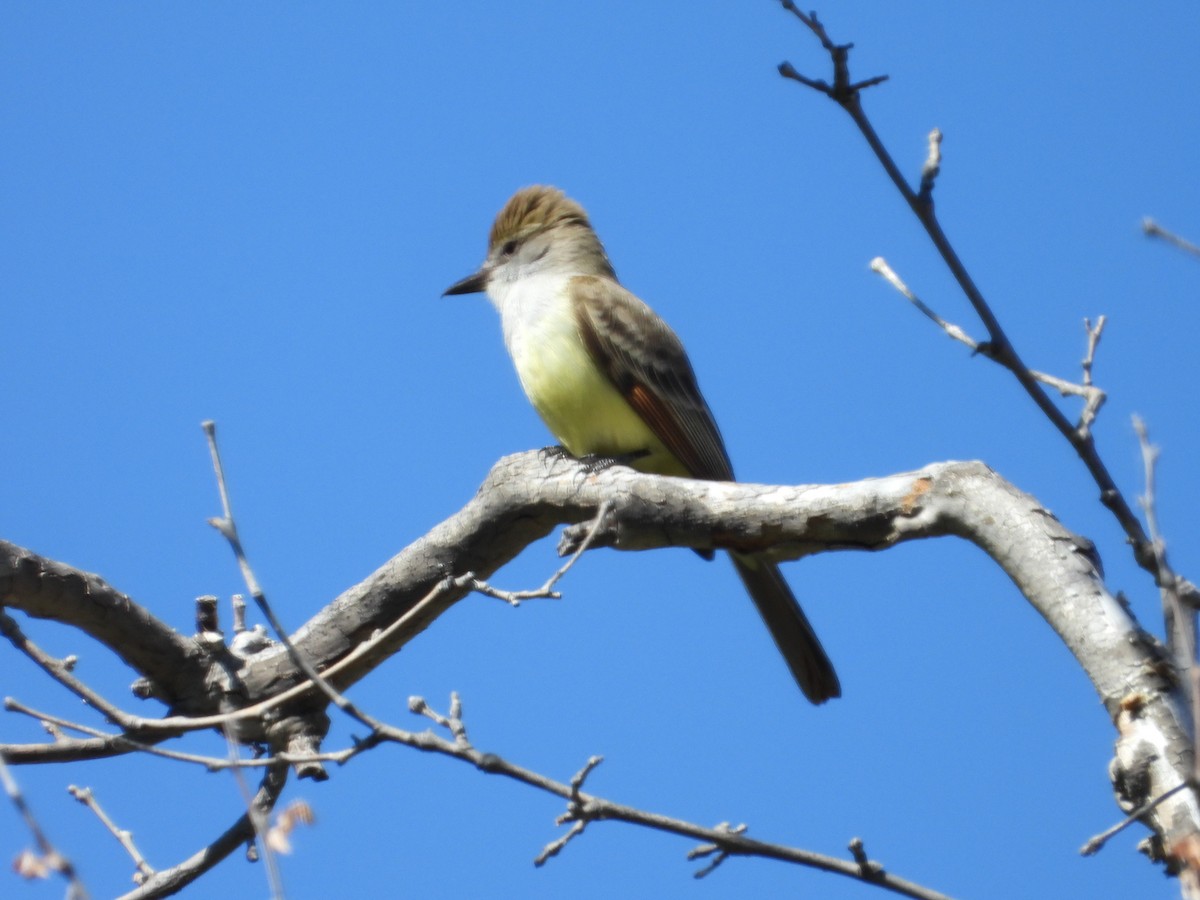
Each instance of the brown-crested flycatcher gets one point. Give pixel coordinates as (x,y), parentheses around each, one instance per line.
(610,379)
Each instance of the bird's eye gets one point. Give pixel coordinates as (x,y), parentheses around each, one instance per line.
(509,248)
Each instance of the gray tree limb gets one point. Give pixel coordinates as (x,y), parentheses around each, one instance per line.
(527,495)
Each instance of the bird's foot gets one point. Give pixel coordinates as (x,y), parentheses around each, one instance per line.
(595,462)
(598,462)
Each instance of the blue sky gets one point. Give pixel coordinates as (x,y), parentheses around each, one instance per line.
(247,212)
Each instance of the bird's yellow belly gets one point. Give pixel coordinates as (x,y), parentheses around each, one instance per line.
(581,407)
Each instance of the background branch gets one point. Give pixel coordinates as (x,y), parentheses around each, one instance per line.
(1154,230)
(584,808)
(1001,348)
(170,881)
(49,858)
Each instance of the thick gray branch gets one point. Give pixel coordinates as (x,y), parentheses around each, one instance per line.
(47,589)
(527,495)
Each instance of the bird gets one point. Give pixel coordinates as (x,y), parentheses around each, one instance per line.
(611,380)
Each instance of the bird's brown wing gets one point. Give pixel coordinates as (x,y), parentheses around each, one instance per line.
(646,362)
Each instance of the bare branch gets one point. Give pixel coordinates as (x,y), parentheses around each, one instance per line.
(932,167)
(46,589)
(546,591)
(1093,397)
(1152,229)
(257,816)
(239,613)
(715,851)
(112,745)
(61,672)
(227,525)
(1179,617)
(124,838)
(169,881)
(1093,333)
(1096,843)
(880,266)
(49,858)
(842,90)
(1001,349)
(526,495)
(117,744)
(73,750)
(66,751)
(583,808)
(1180,622)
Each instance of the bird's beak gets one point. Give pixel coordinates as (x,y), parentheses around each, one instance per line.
(472,284)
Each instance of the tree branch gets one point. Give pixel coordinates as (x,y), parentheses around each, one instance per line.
(584,808)
(526,495)
(1001,349)
(170,881)
(48,857)
(1152,229)
(46,589)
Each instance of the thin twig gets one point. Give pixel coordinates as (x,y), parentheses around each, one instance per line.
(1179,618)
(932,167)
(546,591)
(1093,333)
(257,818)
(1093,397)
(1153,229)
(227,525)
(578,814)
(1001,348)
(842,90)
(124,837)
(452,721)
(239,613)
(173,725)
(51,858)
(1096,400)
(61,672)
(172,880)
(1180,625)
(880,266)
(1096,843)
(124,744)
(718,854)
(867,866)
(583,807)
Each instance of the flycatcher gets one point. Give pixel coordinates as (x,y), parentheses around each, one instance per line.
(610,378)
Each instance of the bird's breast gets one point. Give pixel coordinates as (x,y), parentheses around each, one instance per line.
(571,393)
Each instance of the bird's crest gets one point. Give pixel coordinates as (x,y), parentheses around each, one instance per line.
(533,209)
